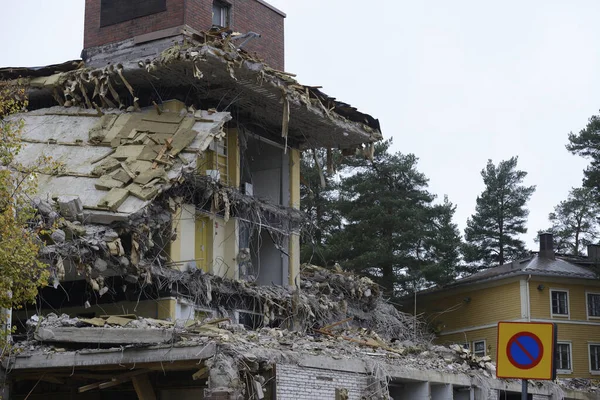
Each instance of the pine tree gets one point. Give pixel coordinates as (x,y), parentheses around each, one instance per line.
(318,196)
(492,233)
(587,144)
(444,243)
(392,231)
(574,222)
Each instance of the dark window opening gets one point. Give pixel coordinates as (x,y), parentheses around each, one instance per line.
(220,14)
(563,356)
(251,321)
(116,11)
(560,303)
(593,300)
(595,357)
(479,348)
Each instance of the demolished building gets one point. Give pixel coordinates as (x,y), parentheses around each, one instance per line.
(174,227)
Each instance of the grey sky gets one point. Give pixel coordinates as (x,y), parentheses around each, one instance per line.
(454,82)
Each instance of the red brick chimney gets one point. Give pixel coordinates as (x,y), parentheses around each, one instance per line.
(114,21)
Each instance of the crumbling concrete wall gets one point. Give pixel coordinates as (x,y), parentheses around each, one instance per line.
(300,383)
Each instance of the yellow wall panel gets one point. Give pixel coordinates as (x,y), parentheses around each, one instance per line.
(175,245)
(540,299)
(166,308)
(203,247)
(294,241)
(579,336)
(452,311)
(233,157)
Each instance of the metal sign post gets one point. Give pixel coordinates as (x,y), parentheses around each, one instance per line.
(524,390)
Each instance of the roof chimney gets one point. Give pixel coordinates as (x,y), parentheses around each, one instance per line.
(593,251)
(546,246)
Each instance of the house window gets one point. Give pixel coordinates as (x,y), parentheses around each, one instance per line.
(595,358)
(220,14)
(593,304)
(479,348)
(560,302)
(563,358)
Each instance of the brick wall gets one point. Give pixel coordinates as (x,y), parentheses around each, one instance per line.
(301,383)
(250,15)
(94,35)
(246,15)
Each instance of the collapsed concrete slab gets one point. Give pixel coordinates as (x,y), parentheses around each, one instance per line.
(229,361)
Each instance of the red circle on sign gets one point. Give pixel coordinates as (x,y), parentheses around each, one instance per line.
(515,341)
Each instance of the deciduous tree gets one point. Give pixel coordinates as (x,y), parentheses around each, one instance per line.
(21,272)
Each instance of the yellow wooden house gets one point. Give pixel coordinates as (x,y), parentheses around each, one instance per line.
(542,288)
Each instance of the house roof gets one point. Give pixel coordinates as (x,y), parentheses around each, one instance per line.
(535,265)
(213,73)
(108,160)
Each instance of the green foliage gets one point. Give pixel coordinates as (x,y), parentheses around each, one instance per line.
(492,233)
(21,273)
(386,226)
(444,243)
(318,202)
(574,222)
(587,144)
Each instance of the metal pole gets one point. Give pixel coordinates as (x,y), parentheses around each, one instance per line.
(524,390)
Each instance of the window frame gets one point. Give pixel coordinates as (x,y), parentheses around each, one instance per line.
(568,314)
(587,305)
(225,8)
(484,347)
(593,371)
(570,370)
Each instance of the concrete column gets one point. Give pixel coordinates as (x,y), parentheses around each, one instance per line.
(294,245)
(232,248)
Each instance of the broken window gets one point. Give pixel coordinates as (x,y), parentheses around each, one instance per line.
(479,348)
(560,302)
(593,304)
(220,14)
(563,357)
(265,176)
(250,320)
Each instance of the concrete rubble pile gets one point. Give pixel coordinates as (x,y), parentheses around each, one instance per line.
(324,297)
(342,315)
(581,384)
(58,334)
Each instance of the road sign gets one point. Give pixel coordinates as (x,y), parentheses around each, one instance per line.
(525,350)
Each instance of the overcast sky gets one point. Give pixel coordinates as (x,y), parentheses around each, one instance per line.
(455,83)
